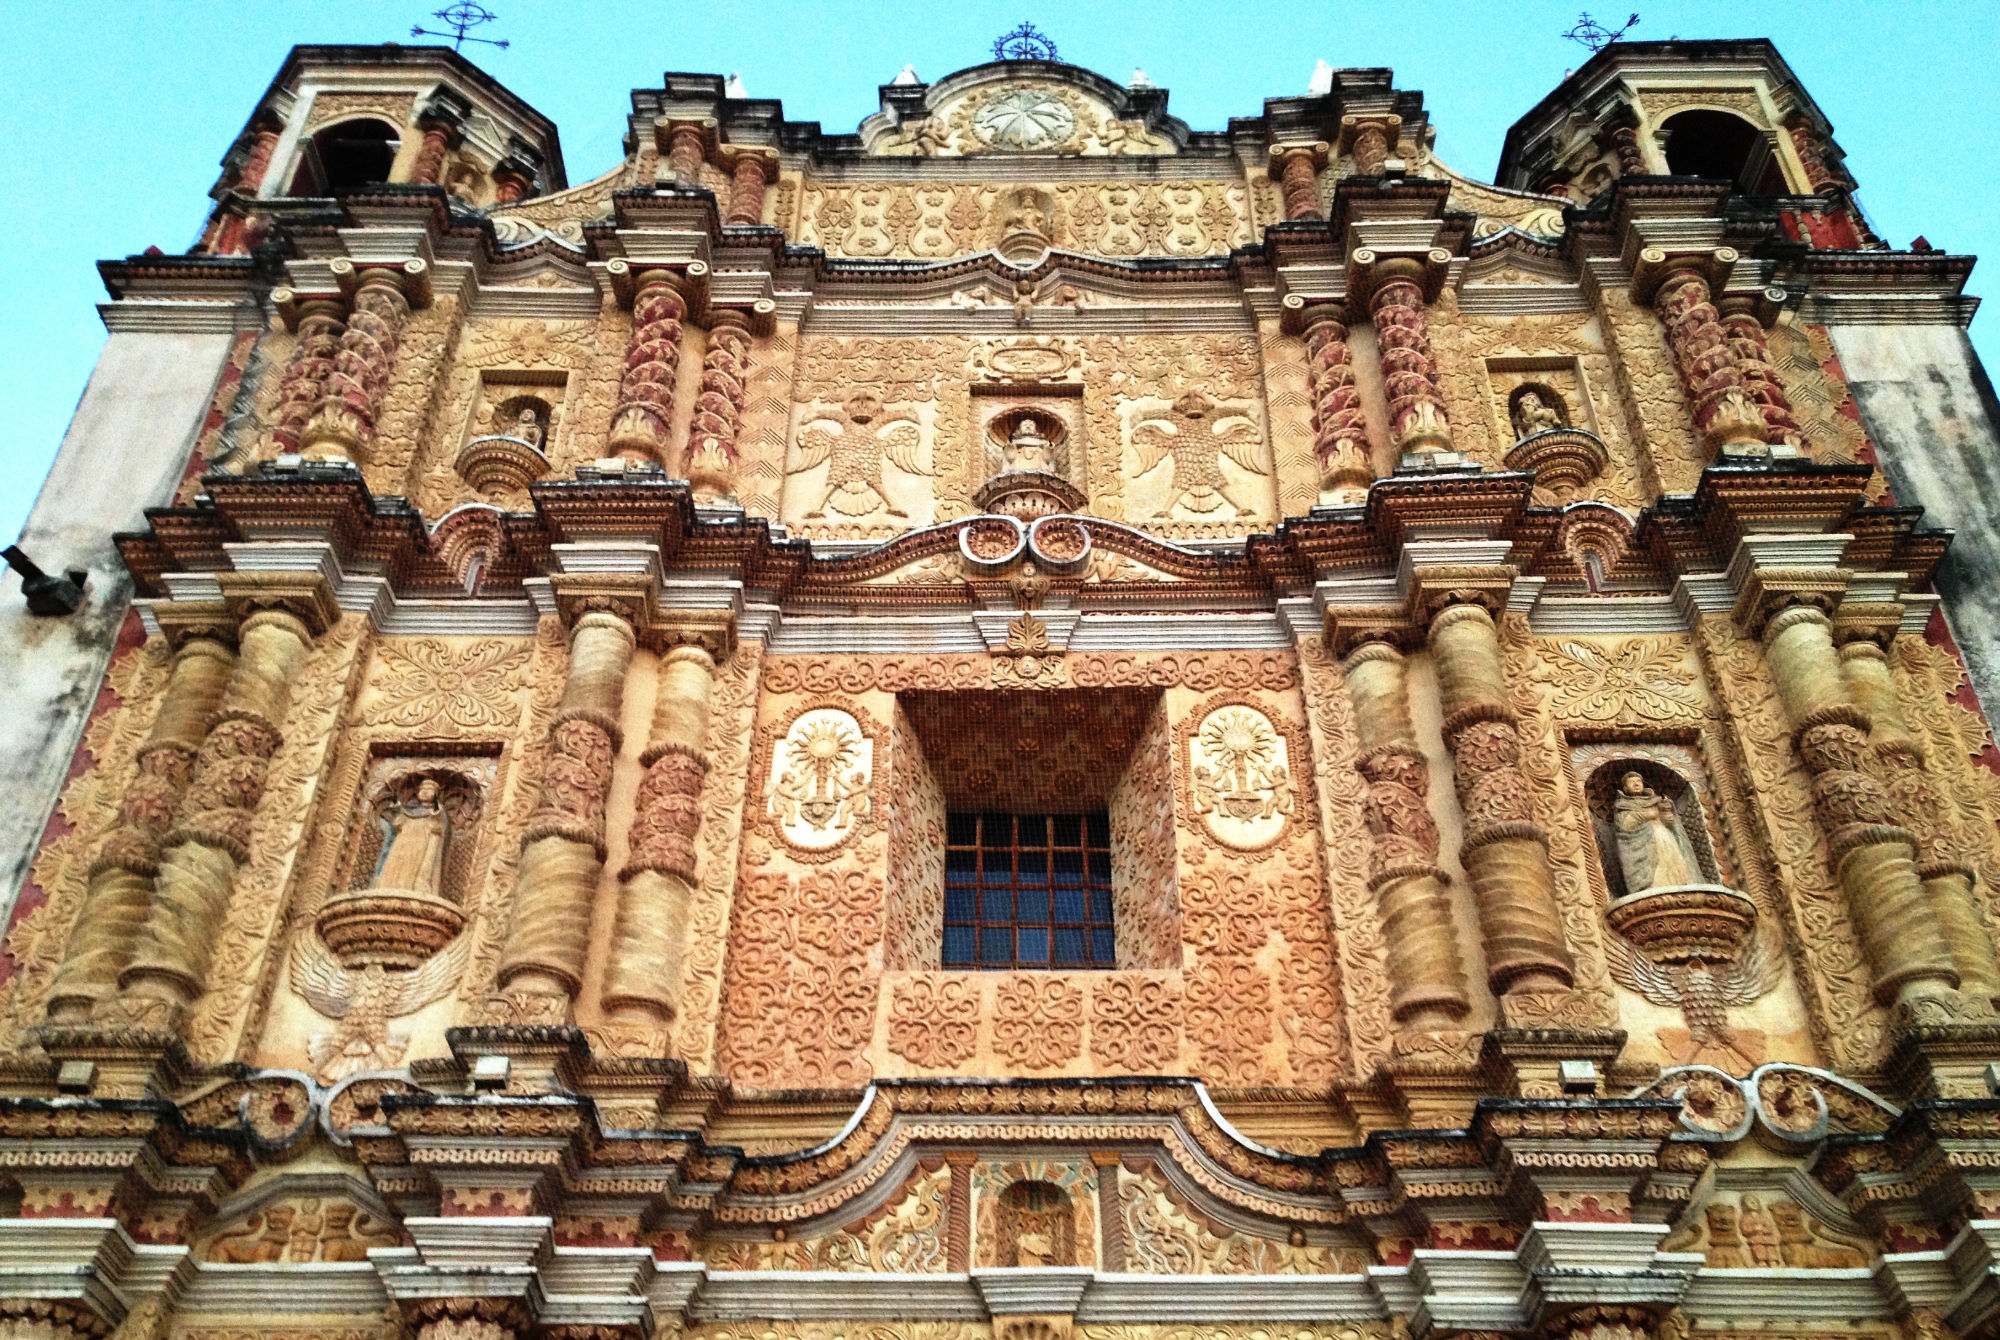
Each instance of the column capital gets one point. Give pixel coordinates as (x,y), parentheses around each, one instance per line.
(707,128)
(295,308)
(1317,151)
(305,596)
(1655,265)
(631,276)
(411,278)
(731,157)
(1368,268)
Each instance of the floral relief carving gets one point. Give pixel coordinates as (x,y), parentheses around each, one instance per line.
(800,1005)
(934,1020)
(1038,1021)
(1135,1024)
(905,1237)
(1643,677)
(732,712)
(1164,1236)
(434,687)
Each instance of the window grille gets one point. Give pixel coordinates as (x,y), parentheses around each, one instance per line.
(1028,891)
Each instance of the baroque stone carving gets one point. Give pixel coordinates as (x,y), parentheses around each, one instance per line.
(1196,434)
(1239,777)
(853,444)
(821,770)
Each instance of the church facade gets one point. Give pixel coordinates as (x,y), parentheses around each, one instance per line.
(1028,723)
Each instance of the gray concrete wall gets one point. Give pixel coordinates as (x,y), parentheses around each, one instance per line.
(1930,409)
(125,451)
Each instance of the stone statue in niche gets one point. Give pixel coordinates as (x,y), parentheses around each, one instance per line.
(1027,223)
(1653,848)
(1536,411)
(528,427)
(1028,449)
(416,829)
(1037,1224)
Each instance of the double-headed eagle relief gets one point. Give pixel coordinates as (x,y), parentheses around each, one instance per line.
(1196,433)
(854,442)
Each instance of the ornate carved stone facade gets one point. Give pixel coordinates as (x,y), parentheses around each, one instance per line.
(1190,735)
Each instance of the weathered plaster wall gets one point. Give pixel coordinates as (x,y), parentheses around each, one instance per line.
(1930,409)
(124,452)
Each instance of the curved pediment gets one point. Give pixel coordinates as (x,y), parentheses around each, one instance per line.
(1022,107)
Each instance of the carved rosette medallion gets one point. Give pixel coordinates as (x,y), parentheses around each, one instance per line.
(822,767)
(1237,774)
(1024,119)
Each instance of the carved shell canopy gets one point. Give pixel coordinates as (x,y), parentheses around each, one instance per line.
(1024,119)
(821,771)
(1240,777)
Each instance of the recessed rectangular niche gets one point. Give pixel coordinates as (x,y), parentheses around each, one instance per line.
(506,394)
(1559,388)
(1056,412)
(1081,752)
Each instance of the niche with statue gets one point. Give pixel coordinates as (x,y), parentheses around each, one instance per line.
(390,938)
(1548,415)
(1028,448)
(514,424)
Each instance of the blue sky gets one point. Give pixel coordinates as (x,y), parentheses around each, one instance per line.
(119,112)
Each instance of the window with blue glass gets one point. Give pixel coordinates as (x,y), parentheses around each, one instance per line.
(1028,891)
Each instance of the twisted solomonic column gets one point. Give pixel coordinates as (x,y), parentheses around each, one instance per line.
(659,876)
(644,417)
(344,418)
(1417,419)
(1504,852)
(1369,139)
(1750,346)
(318,326)
(210,838)
(709,463)
(1296,168)
(751,170)
(1426,980)
(1874,854)
(1725,414)
(120,895)
(562,851)
(1340,430)
(1900,761)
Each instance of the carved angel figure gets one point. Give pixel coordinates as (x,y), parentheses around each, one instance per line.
(1197,439)
(865,438)
(1653,849)
(364,1000)
(1703,994)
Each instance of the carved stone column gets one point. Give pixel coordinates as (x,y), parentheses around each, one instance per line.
(1743,325)
(1296,169)
(257,163)
(1505,853)
(121,877)
(441,135)
(710,460)
(1874,855)
(750,171)
(1369,139)
(687,144)
(645,412)
(343,420)
(1819,176)
(1417,418)
(318,324)
(512,179)
(1624,135)
(1340,431)
(1724,413)
(659,876)
(562,851)
(211,833)
(1426,979)
(1901,760)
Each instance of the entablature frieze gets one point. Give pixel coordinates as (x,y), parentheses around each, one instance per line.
(1412,545)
